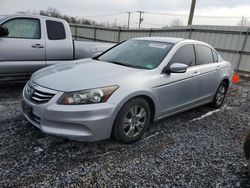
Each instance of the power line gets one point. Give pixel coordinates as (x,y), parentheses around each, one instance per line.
(132,15)
(105,15)
(164,14)
(110,14)
(185,15)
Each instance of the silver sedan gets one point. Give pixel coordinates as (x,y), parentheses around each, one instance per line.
(119,92)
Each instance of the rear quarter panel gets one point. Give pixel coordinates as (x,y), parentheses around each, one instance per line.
(226,71)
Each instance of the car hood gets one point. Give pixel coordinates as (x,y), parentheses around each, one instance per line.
(82,74)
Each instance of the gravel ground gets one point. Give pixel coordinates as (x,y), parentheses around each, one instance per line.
(198,148)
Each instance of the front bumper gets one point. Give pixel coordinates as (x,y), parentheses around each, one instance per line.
(88,123)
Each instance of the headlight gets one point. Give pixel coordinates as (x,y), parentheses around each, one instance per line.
(89,96)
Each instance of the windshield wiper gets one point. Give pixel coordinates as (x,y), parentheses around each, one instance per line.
(95,58)
(127,65)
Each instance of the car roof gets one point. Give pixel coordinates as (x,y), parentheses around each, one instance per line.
(161,39)
(172,40)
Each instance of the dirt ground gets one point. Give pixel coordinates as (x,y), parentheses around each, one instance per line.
(198,148)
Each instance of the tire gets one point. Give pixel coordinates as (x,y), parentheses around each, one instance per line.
(131,121)
(220,95)
(246,147)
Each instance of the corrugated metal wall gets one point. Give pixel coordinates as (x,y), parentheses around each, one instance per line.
(232,42)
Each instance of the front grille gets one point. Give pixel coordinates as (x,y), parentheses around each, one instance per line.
(38,94)
(41,97)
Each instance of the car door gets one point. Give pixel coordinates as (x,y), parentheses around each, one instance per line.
(23,50)
(179,91)
(207,72)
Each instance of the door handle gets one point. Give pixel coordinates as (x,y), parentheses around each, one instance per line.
(196,73)
(37,46)
(218,67)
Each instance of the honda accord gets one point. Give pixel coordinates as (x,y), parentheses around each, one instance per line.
(119,92)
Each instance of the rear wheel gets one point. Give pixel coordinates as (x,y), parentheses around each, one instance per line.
(132,121)
(220,95)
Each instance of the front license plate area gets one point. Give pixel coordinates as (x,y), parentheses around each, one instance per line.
(27,109)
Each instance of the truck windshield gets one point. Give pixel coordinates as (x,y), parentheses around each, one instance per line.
(138,53)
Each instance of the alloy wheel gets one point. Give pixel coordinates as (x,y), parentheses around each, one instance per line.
(134,121)
(220,95)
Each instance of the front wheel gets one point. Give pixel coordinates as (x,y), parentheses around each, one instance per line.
(132,121)
(220,95)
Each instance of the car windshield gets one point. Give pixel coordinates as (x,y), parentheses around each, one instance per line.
(137,53)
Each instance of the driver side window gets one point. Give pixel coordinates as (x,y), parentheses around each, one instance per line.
(27,28)
(185,54)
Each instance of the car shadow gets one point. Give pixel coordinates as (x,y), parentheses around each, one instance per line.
(11,89)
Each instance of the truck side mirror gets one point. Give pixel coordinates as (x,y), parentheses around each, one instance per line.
(4,32)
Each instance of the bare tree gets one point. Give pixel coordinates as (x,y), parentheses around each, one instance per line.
(176,22)
(56,13)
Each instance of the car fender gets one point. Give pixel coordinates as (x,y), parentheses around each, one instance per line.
(134,95)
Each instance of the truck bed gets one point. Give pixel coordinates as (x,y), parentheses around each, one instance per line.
(85,49)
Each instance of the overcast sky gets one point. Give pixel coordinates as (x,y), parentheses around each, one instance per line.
(115,10)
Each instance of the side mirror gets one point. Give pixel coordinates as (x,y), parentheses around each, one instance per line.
(178,68)
(96,55)
(4,32)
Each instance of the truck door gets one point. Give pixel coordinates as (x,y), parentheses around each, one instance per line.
(23,51)
(59,44)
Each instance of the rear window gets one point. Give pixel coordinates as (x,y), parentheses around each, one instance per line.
(55,30)
(204,54)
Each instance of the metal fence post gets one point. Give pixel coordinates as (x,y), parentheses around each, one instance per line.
(150,32)
(119,35)
(242,49)
(75,32)
(94,33)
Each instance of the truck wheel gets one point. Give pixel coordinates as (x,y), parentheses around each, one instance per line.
(220,96)
(132,121)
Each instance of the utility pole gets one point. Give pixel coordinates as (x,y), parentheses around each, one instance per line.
(242,21)
(115,22)
(129,19)
(191,14)
(140,18)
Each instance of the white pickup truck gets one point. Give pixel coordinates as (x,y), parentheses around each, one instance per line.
(30,42)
